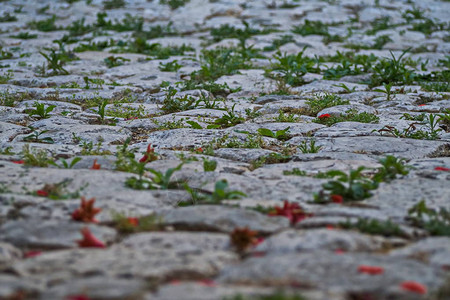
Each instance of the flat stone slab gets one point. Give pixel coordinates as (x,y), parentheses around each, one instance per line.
(290,241)
(333,272)
(223,219)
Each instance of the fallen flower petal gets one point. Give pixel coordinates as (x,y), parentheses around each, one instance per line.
(133,221)
(413,286)
(337,198)
(18,162)
(442,169)
(292,211)
(95,165)
(243,238)
(86,212)
(339,251)
(30,254)
(421,104)
(324,116)
(89,240)
(149,155)
(372,270)
(42,193)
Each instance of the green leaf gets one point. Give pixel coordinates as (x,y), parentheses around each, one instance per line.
(194,124)
(266,132)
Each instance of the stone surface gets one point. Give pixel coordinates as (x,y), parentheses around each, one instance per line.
(218,218)
(109,82)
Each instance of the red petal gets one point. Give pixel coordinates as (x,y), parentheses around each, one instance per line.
(89,240)
(413,286)
(42,193)
(133,221)
(18,162)
(337,198)
(442,169)
(32,254)
(324,116)
(95,165)
(372,270)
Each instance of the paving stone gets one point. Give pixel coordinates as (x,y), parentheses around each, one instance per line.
(223,219)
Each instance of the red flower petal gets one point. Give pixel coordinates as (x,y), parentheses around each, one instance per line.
(337,199)
(86,212)
(42,193)
(95,165)
(133,221)
(339,251)
(18,162)
(421,104)
(372,270)
(413,286)
(292,211)
(29,254)
(330,227)
(89,240)
(442,169)
(324,116)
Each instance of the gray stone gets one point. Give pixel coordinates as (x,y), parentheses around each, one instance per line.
(332,272)
(377,145)
(50,234)
(433,250)
(317,239)
(98,288)
(223,219)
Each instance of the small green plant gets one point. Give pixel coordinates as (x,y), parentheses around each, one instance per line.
(320,102)
(371,226)
(58,191)
(173,104)
(436,222)
(35,137)
(35,157)
(54,62)
(281,135)
(345,87)
(6,77)
(295,171)
(220,193)
(87,148)
(171,66)
(101,111)
(7,17)
(291,68)
(309,147)
(114,61)
(311,27)
(113,4)
(351,187)
(226,31)
(349,116)
(159,180)
(387,90)
(431,122)
(44,25)
(64,164)
(174,4)
(286,117)
(40,110)
(209,165)
(231,118)
(391,166)
(392,70)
